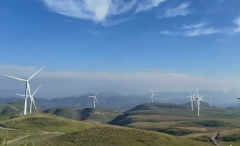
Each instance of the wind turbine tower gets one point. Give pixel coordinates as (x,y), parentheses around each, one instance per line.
(32,99)
(27,88)
(152,95)
(199,99)
(191,100)
(95,99)
(210,98)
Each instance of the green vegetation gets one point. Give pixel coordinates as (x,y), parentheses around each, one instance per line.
(162,121)
(86,114)
(7,117)
(177,120)
(14,108)
(118,136)
(45,122)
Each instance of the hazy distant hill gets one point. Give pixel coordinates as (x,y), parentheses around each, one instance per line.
(123,103)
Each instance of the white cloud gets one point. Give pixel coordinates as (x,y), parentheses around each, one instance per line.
(192,32)
(201,24)
(99,11)
(93,32)
(169,33)
(181,10)
(201,31)
(114,22)
(69,82)
(237,21)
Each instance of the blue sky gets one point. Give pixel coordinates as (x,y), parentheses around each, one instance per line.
(192,37)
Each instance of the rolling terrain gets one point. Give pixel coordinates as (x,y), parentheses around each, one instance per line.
(48,130)
(15,108)
(85,114)
(178,120)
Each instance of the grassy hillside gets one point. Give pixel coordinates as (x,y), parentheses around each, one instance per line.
(14,108)
(118,136)
(85,114)
(230,137)
(177,119)
(45,122)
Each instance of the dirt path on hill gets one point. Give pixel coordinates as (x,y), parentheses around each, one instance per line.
(214,140)
(23,137)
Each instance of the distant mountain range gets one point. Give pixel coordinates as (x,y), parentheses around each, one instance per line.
(115,100)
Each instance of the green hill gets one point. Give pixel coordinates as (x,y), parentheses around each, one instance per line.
(117,136)
(45,122)
(15,108)
(85,114)
(177,119)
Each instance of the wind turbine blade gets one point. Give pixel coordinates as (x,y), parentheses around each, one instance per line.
(151,97)
(15,78)
(34,104)
(96,93)
(96,99)
(151,91)
(37,90)
(20,95)
(35,73)
(91,96)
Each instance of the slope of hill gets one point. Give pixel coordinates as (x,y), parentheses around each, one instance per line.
(14,108)
(117,136)
(176,119)
(45,122)
(85,114)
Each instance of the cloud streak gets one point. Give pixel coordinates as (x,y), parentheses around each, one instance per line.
(237,22)
(181,10)
(201,24)
(200,29)
(99,11)
(192,32)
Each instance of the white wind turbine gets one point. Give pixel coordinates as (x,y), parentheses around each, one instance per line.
(27,88)
(192,99)
(199,99)
(152,95)
(31,98)
(95,99)
(210,102)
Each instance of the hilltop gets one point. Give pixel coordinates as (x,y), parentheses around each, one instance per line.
(50,130)
(45,122)
(177,119)
(85,114)
(117,136)
(15,108)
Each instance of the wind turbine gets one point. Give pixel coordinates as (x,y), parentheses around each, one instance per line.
(191,100)
(95,99)
(31,98)
(210,98)
(27,88)
(152,95)
(199,99)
